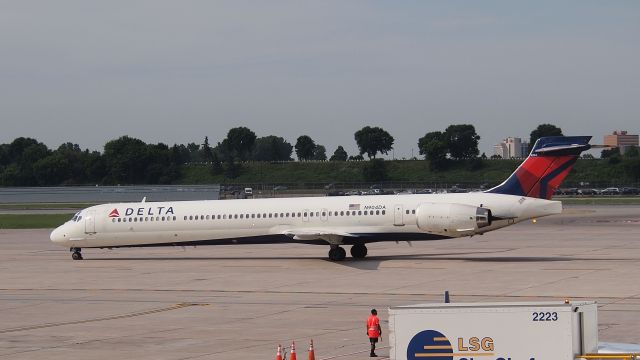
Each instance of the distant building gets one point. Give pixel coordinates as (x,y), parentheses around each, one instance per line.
(512,147)
(621,139)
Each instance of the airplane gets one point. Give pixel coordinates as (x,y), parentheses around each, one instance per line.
(333,221)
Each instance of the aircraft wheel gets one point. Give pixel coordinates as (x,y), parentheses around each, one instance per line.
(359,251)
(337,254)
(76,255)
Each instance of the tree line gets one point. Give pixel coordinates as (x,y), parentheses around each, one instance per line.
(127,160)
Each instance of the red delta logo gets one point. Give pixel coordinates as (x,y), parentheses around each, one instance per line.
(114,213)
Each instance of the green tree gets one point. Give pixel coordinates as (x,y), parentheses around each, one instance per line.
(239,142)
(541,131)
(434,148)
(320,153)
(631,152)
(305,148)
(126,160)
(607,153)
(462,141)
(373,140)
(272,148)
(339,155)
(207,153)
(52,170)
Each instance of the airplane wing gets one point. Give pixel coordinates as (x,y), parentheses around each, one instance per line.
(329,235)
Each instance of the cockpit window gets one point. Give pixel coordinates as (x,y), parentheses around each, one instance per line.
(75,217)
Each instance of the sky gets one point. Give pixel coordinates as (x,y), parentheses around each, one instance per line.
(176,71)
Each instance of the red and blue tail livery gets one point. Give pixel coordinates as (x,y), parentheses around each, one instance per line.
(550,161)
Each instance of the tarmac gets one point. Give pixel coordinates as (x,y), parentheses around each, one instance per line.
(240,302)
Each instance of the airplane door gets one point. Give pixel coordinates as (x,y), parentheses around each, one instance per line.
(324,214)
(305,215)
(397,216)
(90,222)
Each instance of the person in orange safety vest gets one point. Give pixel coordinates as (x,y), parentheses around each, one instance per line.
(374,331)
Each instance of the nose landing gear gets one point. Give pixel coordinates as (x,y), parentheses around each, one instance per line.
(76,253)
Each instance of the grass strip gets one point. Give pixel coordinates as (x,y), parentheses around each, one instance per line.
(32,221)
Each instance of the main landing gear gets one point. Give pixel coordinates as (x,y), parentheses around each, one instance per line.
(76,253)
(337,253)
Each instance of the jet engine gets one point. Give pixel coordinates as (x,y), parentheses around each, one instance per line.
(452,219)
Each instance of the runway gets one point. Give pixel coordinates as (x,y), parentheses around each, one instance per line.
(240,302)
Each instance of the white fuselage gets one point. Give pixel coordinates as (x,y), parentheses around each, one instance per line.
(328,220)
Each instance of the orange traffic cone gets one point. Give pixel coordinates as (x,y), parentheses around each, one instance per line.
(312,355)
(279,353)
(292,353)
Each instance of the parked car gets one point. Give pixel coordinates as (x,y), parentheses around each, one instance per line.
(588,192)
(570,191)
(353,192)
(280,187)
(336,193)
(610,191)
(630,191)
(456,189)
(425,191)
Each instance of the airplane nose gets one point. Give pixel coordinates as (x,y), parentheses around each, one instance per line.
(57,235)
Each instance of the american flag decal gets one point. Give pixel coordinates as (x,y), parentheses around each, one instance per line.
(354,206)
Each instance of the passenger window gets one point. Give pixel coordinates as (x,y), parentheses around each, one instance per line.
(281,214)
(348,213)
(407,212)
(264,215)
(359,212)
(365,212)
(383,212)
(311,214)
(299,214)
(235,216)
(207,217)
(413,211)
(163,218)
(324,213)
(135,219)
(258,216)
(253,216)
(174,218)
(317,213)
(113,219)
(218,217)
(341,213)
(241,216)
(377,212)
(270,215)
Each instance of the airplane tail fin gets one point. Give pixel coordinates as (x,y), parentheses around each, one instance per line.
(542,172)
